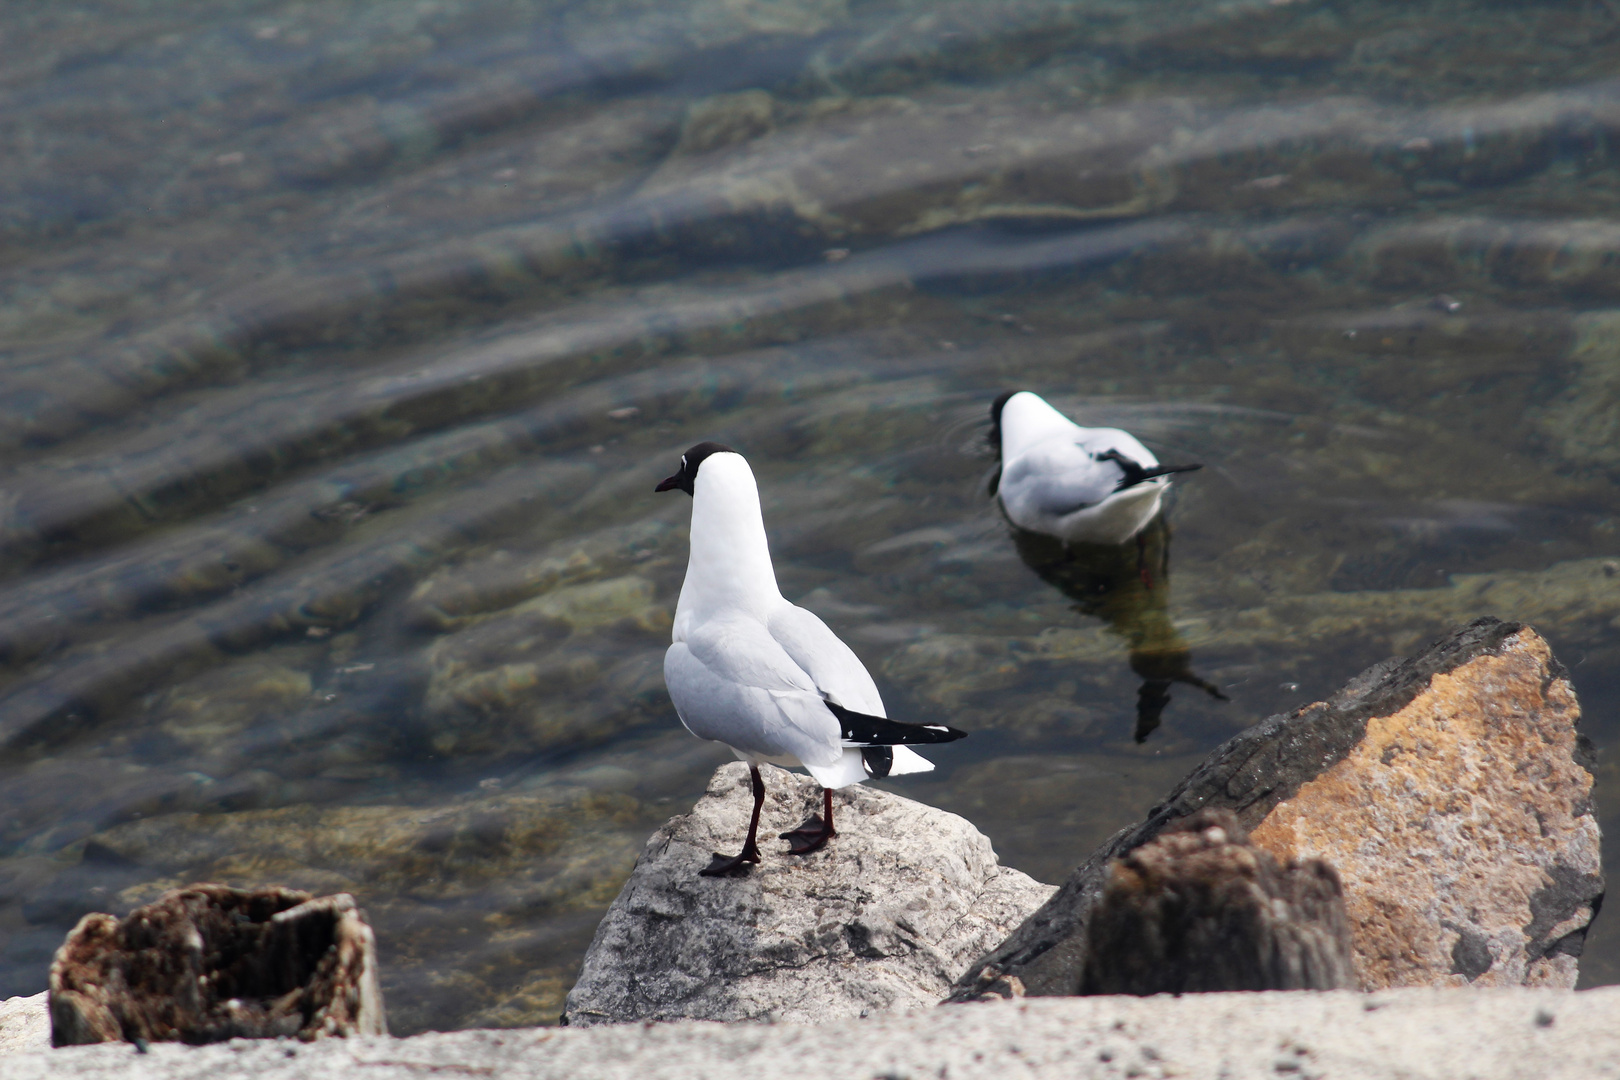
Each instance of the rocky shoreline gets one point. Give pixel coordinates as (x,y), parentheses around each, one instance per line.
(1450,791)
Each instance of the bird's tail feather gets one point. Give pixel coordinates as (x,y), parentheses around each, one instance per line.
(908,761)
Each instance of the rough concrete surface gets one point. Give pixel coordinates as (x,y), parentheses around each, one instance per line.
(1418,1033)
(1450,790)
(880,920)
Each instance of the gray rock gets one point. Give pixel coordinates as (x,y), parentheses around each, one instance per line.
(25,1024)
(1413,1034)
(1451,792)
(881,920)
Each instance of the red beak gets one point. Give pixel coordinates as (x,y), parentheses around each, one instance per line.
(669,484)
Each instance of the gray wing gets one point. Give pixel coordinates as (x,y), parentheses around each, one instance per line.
(1056,479)
(838,673)
(731,682)
(1062,475)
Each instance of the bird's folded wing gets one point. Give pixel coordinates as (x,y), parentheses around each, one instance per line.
(837,672)
(1057,481)
(742,689)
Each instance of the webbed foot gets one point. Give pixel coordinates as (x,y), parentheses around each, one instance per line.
(726,865)
(811,836)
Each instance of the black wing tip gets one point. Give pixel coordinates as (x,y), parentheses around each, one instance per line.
(881,731)
(945,732)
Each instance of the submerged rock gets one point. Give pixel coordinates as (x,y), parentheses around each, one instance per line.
(879,921)
(483,903)
(1450,790)
(1580,597)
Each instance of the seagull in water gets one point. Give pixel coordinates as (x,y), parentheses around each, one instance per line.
(762,675)
(1081,485)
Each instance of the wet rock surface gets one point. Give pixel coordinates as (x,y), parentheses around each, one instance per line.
(1199,909)
(209,963)
(881,920)
(1451,791)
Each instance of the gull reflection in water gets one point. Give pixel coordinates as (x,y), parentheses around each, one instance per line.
(1128,587)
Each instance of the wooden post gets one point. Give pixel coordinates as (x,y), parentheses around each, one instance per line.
(208,963)
(1199,909)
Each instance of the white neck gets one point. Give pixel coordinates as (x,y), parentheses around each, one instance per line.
(730,565)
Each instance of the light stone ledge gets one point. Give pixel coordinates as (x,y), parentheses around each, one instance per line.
(1344,1035)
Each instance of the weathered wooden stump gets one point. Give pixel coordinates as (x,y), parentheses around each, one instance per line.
(1198,909)
(208,963)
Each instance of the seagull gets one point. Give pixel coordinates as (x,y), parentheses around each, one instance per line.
(1081,485)
(764,676)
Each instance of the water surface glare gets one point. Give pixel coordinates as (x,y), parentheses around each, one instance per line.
(341,347)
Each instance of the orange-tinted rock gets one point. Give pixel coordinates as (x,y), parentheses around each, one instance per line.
(1450,790)
(1462,826)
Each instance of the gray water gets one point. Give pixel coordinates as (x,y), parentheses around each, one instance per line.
(341,347)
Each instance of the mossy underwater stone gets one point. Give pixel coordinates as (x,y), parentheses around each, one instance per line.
(1451,792)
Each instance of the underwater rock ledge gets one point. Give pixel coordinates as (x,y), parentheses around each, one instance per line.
(1450,790)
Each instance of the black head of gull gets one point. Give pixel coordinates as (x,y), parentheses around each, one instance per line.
(995,420)
(756,672)
(690,461)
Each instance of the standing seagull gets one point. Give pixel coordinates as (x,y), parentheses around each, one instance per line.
(765,676)
(1081,485)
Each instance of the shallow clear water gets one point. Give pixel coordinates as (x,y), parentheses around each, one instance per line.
(341,347)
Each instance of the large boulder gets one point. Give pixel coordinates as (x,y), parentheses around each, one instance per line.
(1450,790)
(881,920)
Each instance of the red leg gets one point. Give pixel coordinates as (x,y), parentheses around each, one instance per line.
(816,830)
(731,864)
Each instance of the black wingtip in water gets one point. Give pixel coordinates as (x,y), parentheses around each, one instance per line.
(1135,473)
